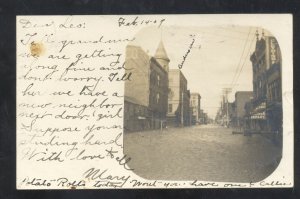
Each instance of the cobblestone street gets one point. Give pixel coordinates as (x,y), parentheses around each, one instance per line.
(208,153)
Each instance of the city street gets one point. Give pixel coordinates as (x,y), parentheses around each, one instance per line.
(206,152)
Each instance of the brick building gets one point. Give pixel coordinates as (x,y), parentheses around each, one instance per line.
(265,111)
(146,95)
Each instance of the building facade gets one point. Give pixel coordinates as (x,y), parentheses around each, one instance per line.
(146,95)
(158,96)
(274,88)
(201,116)
(265,114)
(178,100)
(195,104)
(204,118)
(241,98)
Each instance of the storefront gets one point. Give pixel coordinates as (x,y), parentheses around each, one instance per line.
(257,121)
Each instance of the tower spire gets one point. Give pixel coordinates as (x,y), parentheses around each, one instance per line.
(161,56)
(256,34)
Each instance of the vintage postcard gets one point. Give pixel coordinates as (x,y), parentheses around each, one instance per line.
(154,101)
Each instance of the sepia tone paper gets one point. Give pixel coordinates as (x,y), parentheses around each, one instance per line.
(154,101)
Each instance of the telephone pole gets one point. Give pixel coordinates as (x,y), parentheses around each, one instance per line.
(226,91)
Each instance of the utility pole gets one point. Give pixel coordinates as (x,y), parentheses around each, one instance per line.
(226,91)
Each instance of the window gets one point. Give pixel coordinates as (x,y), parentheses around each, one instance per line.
(170,108)
(158,79)
(260,84)
(157,98)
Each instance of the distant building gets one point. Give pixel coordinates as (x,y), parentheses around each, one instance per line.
(190,113)
(201,116)
(146,95)
(205,118)
(226,113)
(266,108)
(241,98)
(178,99)
(195,104)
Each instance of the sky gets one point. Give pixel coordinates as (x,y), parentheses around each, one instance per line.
(219,58)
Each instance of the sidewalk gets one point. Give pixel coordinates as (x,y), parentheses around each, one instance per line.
(275,138)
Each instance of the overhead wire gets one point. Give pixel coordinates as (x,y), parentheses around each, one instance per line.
(240,60)
(241,69)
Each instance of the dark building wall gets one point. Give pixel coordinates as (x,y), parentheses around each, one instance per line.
(158,96)
(274,88)
(135,117)
(241,98)
(258,59)
(266,112)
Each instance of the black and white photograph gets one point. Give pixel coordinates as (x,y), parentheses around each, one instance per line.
(204,103)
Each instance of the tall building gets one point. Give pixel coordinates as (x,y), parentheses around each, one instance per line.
(265,112)
(178,99)
(195,103)
(146,95)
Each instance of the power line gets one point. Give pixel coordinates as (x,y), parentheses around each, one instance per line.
(244,60)
(226,91)
(237,68)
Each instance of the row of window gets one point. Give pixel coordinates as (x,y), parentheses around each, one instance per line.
(170,108)
(155,98)
(154,78)
(274,91)
(259,89)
